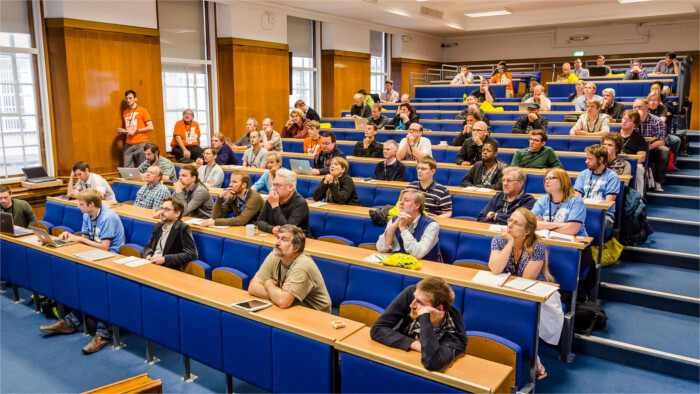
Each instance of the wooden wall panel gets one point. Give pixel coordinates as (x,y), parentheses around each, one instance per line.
(91,65)
(401,70)
(342,75)
(253,82)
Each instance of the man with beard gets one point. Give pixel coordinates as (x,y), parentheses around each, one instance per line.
(288,276)
(245,203)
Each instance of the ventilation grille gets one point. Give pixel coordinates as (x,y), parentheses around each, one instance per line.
(431,12)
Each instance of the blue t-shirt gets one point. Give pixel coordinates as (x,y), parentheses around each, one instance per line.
(539,253)
(571,210)
(598,186)
(106,226)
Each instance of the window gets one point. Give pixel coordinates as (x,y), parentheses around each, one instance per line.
(301,43)
(186,65)
(20,134)
(378,61)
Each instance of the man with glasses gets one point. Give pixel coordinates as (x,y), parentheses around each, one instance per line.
(470,152)
(503,204)
(329,150)
(438,201)
(414,146)
(611,108)
(284,205)
(245,203)
(537,155)
(171,244)
(411,231)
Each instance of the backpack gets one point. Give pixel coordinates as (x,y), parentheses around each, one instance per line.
(589,316)
(635,227)
(684,148)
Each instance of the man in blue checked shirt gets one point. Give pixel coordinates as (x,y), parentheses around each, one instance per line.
(154,191)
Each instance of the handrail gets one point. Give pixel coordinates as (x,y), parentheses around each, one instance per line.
(627,62)
(422,77)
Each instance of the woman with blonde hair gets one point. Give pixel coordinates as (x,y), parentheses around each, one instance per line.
(297,126)
(337,186)
(521,252)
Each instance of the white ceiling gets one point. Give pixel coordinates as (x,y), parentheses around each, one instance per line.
(525,14)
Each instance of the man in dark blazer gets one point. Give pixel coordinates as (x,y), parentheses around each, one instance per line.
(171,244)
(309,112)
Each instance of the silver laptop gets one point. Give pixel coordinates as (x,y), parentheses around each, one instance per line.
(48,240)
(7,226)
(94,255)
(360,123)
(522,107)
(130,173)
(37,175)
(300,166)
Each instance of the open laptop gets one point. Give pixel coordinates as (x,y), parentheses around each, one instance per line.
(37,175)
(7,226)
(597,71)
(130,173)
(360,123)
(48,240)
(300,166)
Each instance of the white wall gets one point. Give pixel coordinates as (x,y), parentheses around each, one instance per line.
(342,37)
(678,36)
(416,47)
(130,13)
(240,20)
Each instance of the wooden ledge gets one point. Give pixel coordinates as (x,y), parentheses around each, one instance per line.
(100,26)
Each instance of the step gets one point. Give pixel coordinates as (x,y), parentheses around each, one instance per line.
(651,328)
(676,196)
(576,377)
(662,257)
(690,162)
(660,278)
(652,338)
(676,243)
(676,226)
(684,177)
(653,299)
(637,356)
(669,212)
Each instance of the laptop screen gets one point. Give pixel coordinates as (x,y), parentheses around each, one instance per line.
(35,172)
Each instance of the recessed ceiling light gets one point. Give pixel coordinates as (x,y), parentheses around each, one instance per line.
(398,12)
(631,1)
(504,11)
(454,26)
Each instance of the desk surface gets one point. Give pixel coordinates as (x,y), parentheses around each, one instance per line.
(306,322)
(460,276)
(468,373)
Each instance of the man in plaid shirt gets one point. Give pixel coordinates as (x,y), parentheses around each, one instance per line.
(154,191)
(659,154)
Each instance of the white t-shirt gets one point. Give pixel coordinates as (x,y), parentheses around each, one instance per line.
(423,146)
(98,183)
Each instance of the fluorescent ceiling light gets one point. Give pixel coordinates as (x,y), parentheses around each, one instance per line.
(398,12)
(454,26)
(504,11)
(631,1)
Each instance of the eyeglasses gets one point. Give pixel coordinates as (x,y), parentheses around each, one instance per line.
(550,178)
(482,130)
(277,185)
(509,180)
(535,140)
(166,209)
(422,168)
(514,223)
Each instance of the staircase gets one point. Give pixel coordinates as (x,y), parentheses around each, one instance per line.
(652,296)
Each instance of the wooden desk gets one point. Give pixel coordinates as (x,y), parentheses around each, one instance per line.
(460,276)
(468,373)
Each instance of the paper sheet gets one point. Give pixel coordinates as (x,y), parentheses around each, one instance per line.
(488,278)
(195,221)
(375,257)
(541,289)
(520,283)
(138,262)
(318,204)
(126,260)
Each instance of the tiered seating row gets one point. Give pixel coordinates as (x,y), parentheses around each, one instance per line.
(349,281)
(456,125)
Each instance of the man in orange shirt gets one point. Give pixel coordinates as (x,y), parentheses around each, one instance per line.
(185,144)
(504,77)
(137,124)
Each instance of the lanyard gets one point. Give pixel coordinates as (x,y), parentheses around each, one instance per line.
(93,226)
(551,218)
(592,185)
(280,279)
(133,114)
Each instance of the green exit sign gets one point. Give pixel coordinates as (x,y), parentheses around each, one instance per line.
(578,53)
